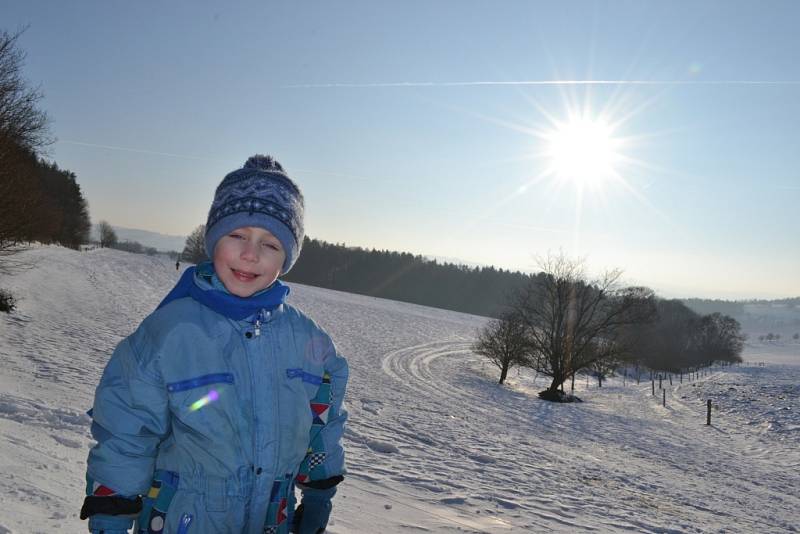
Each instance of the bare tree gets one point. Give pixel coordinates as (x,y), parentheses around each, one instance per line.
(195,249)
(503,342)
(108,237)
(602,368)
(21,122)
(573,322)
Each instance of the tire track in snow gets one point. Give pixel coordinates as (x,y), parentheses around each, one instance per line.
(439,371)
(410,367)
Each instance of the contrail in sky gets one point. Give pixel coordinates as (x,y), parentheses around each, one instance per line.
(136,150)
(541,82)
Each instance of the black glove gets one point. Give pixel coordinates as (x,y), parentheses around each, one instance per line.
(110,514)
(112,505)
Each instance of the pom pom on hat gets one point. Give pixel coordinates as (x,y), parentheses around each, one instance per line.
(259,194)
(262,163)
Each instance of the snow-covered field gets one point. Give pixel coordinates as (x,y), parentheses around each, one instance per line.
(434,444)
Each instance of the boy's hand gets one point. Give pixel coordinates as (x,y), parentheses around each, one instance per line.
(108,512)
(113,505)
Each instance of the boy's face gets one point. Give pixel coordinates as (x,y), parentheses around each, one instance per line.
(248,260)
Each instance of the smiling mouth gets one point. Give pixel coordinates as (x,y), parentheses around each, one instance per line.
(244,276)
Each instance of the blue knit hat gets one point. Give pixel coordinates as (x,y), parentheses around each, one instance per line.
(259,194)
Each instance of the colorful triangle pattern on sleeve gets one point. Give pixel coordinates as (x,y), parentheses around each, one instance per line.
(312,466)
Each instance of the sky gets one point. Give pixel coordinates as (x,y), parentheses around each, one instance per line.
(659,138)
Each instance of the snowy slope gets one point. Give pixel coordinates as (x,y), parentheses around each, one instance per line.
(434,445)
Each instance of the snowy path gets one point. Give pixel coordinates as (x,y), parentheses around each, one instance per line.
(434,444)
(593,466)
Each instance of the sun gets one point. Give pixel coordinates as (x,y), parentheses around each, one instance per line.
(583,151)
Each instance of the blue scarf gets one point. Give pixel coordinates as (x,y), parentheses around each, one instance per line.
(222,302)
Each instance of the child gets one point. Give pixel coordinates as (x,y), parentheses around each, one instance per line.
(225,397)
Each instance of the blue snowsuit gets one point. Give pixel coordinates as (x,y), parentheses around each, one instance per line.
(213,420)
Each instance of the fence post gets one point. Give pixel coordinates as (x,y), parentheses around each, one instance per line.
(659,382)
(653,384)
(664,398)
(670,379)
(708,413)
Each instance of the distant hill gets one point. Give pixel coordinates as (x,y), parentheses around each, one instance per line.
(756,316)
(161,242)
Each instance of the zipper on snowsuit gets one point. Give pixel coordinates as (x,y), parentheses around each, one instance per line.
(262,315)
(183,523)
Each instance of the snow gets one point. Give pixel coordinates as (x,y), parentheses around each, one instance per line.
(434,444)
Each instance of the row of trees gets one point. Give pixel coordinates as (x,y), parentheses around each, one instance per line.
(770,337)
(392,275)
(38,200)
(679,338)
(406,277)
(563,323)
(108,239)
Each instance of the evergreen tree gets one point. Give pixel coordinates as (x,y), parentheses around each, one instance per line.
(406,277)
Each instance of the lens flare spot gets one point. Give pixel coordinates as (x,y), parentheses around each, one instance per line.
(205,400)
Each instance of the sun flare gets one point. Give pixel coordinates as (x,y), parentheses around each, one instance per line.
(583,151)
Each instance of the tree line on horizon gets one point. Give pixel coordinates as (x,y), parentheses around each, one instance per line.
(107,238)
(406,277)
(735,307)
(391,275)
